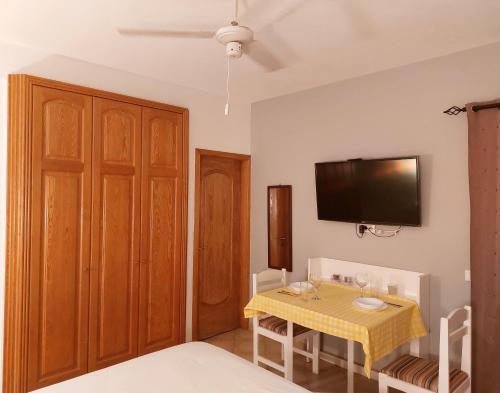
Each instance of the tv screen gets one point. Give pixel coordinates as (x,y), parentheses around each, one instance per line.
(382,191)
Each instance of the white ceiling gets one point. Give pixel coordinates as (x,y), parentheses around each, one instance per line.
(324,40)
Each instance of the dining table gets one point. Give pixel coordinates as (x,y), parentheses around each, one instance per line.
(330,310)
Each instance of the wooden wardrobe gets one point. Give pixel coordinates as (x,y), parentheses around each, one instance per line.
(97,230)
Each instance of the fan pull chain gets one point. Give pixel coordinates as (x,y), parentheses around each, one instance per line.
(226,110)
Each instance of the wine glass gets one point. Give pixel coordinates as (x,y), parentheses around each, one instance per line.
(361,280)
(376,286)
(315,280)
(304,291)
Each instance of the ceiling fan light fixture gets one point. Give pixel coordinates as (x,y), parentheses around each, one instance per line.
(233,50)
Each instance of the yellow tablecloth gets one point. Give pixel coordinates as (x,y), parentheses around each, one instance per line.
(379,332)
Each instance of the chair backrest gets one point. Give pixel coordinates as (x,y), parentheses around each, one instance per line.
(456,326)
(268,279)
(409,283)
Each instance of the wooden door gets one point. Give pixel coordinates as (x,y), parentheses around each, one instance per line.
(279,227)
(219,246)
(116,177)
(162,234)
(60,236)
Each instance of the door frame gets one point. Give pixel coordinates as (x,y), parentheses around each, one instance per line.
(19,180)
(244,231)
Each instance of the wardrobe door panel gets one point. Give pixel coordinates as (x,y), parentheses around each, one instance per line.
(159,310)
(160,271)
(61,198)
(115,233)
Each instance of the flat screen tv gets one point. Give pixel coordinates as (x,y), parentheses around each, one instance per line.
(381,191)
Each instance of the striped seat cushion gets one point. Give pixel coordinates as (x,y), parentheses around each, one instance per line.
(278,325)
(422,372)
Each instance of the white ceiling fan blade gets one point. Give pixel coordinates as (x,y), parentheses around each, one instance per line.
(280,46)
(167,33)
(262,56)
(263,13)
(291,7)
(360,19)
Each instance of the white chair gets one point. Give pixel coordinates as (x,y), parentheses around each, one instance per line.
(284,332)
(416,375)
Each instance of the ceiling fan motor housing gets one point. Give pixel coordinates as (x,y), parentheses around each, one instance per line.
(234,33)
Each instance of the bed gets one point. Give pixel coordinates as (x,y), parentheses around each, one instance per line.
(187,368)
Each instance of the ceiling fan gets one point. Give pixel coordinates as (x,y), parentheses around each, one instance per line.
(240,40)
(237,39)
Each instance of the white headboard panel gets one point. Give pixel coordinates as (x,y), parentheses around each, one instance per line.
(413,285)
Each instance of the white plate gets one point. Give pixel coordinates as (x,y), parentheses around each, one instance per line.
(369,303)
(296,286)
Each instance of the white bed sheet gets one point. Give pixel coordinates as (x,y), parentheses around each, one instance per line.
(188,368)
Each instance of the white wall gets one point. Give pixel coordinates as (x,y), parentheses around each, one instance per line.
(392,113)
(208,127)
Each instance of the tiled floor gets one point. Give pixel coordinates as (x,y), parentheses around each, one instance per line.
(330,379)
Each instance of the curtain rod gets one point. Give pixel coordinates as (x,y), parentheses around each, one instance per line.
(455,110)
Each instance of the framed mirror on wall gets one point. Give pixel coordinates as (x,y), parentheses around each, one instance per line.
(279,227)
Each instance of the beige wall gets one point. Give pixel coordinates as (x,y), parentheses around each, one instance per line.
(392,113)
(209,128)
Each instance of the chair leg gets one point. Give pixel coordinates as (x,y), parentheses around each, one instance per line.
(289,352)
(255,346)
(309,345)
(282,352)
(382,384)
(315,353)
(350,366)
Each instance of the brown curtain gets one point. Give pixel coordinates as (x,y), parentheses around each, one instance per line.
(484,185)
